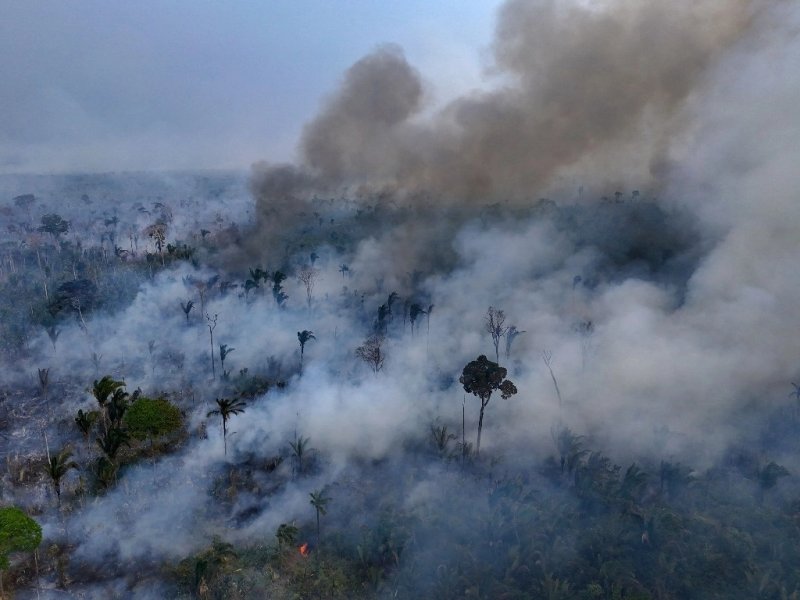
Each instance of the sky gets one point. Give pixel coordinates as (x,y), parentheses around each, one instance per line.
(114,86)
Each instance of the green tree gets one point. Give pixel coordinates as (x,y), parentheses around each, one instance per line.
(111,442)
(54,224)
(58,466)
(150,418)
(227,408)
(320,503)
(117,406)
(103,390)
(211,563)
(303,337)
(481,378)
(286,534)
(85,421)
(18,533)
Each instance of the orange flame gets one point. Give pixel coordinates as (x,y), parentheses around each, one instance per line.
(304,549)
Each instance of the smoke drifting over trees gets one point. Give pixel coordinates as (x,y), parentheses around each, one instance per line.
(625,195)
(596,88)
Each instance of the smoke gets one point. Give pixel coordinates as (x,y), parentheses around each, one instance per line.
(588,89)
(691,299)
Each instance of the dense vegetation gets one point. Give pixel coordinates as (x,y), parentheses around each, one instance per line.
(120,412)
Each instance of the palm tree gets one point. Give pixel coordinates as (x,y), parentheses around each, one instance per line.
(187,308)
(57,466)
(299,449)
(224,350)
(112,441)
(226,409)
(117,406)
(511,335)
(441,438)
(85,420)
(320,503)
(103,389)
(303,337)
(415,311)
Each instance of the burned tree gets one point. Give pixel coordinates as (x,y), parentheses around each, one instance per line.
(495,320)
(371,352)
(308,277)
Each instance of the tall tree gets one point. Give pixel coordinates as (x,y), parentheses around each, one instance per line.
(58,466)
(55,225)
(212,325)
(224,350)
(103,390)
(227,408)
(303,337)
(299,449)
(187,308)
(278,277)
(414,312)
(84,421)
(320,503)
(111,442)
(371,352)
(511,335)
(307,275)
(481,378)
(495,326)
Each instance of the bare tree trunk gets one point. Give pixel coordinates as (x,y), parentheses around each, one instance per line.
(213,366)
(480,429)
(463,430)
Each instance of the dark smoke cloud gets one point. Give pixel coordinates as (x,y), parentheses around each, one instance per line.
(590,88)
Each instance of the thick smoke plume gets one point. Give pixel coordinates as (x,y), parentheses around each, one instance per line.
(596,88)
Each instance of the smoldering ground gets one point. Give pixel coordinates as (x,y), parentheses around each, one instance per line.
(691,298)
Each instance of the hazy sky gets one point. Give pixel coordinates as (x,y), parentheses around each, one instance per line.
(95,85)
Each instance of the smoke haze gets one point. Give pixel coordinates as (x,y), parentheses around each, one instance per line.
(667,312)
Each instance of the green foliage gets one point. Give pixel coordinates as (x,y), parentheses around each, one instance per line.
(287,534)
(18,533)
(58,466)
(152,417)
(112,440)
(103,389)
(482,377)
(85,421)
(54,224)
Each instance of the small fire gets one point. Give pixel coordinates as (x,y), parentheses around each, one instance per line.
(304,549)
